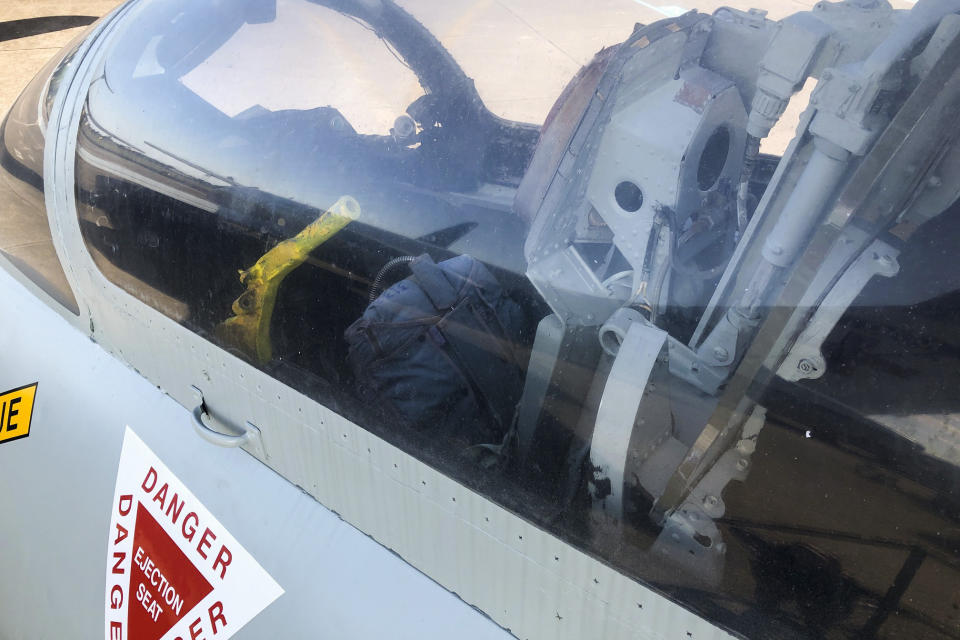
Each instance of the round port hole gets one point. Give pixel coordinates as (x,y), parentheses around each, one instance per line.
(628,196)
(713,158)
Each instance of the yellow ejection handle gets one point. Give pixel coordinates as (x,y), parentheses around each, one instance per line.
(249,327)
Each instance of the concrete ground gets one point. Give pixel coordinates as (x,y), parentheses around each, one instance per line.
(22,57)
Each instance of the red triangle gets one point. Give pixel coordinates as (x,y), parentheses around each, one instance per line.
(155,608)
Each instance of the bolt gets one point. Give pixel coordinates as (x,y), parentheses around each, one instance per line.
(777,250)
(711,501)
(720,353)
(806,366)
(742,464)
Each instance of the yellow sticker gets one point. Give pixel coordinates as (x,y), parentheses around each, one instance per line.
(16,410)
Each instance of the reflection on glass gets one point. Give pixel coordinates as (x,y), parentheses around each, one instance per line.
(25,236)
(726,373)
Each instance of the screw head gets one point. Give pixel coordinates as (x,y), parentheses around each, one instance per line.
(720,353)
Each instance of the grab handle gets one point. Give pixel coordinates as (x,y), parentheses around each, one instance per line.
(250,435)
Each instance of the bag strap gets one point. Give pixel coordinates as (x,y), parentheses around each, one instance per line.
(434,283)
(489,455)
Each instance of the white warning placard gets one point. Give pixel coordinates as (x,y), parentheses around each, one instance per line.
(173,571)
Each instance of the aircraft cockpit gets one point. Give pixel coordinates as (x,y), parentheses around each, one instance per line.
(607,300)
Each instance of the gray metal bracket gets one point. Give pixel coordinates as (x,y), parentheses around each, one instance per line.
(805,359)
